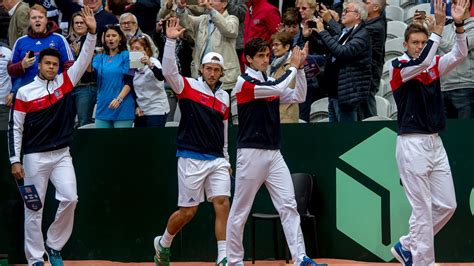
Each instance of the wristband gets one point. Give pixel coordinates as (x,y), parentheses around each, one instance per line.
(119,99)
(459,24)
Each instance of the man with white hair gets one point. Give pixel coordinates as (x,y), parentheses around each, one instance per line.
(129,26)
(348,70)
(203,161)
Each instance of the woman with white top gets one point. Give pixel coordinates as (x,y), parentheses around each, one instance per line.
(148,83)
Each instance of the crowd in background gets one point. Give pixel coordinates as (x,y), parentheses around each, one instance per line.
(124,86)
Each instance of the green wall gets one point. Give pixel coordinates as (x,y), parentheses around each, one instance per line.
(127,189)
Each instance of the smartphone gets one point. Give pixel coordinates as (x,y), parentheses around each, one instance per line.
(312,24)
(421,13)
(31,54)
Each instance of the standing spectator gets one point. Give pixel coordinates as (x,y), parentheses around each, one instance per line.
(85,92)
(52,12)
(69,7)
(238,9)
(115,104)
(145,11)
(281,45)
(18,12)
(203,161)
(421,158)
(376,25)
(41,126)
(458,85)
(217,32)
(129,25)
(259,160)
(5,86)
(148,84)
(261,21)
(41,34)
(348,71)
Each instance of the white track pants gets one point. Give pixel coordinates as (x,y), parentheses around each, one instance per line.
(255,167)
(426,177)
(39,169)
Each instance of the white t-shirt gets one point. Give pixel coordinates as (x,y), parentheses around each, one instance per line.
(5,81)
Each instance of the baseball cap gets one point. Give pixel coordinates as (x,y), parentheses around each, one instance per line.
(213,58)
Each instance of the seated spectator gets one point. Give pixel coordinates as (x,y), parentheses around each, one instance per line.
(129,25)
(217,32)
(41,34)
(348,68)
(458,85)
(115,104)
(148,85)
(5,86)
(85,92)
(281,45)
(18,12)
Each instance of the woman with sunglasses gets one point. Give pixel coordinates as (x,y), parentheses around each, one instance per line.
(148,85)
(115,104)
(85,92)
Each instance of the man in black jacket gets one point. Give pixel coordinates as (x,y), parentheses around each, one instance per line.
(376,25)
(348,71)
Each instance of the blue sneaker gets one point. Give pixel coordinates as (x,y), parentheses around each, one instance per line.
(39,263)
(402,255)
(307,261)
(54,256)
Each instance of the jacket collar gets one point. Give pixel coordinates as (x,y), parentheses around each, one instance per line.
(256,74)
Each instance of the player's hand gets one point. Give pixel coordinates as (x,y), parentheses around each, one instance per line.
(172,30)
(17,171)
(440,16)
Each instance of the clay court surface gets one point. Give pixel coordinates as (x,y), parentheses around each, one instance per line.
(257,263)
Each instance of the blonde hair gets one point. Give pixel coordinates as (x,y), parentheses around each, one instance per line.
(38,8)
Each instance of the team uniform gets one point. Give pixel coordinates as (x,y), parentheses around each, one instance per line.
(203,164)
(41,125)
(421,157)
(259,160)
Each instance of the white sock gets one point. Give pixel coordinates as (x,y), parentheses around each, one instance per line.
(166,239)
(221,252)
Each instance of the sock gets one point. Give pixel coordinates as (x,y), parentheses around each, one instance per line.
(166,239)
(221,252)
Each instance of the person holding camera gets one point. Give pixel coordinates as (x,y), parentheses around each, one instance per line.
(23,67)
(348,69)
(215,31)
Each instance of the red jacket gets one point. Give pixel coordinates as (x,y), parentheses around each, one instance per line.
(261,20)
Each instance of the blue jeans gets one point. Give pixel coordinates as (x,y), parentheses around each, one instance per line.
(150,121)
(337,115)
(459,103)
(85,98)
(113,124)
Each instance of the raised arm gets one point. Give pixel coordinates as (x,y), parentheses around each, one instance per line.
(455,57)
(170,68)
(76,71)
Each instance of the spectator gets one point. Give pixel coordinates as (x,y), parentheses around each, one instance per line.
(348,70)
(376,25)
(238,9)
(115,104)
(41,34)
(52,12)
(69,7)
(129,25)
(145,11)
(281,45)
(261,21)
(148,84)
(5,86)
(40,129)
(290,22)
(458,85)
(214,32)
(18,12)
(85,92)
